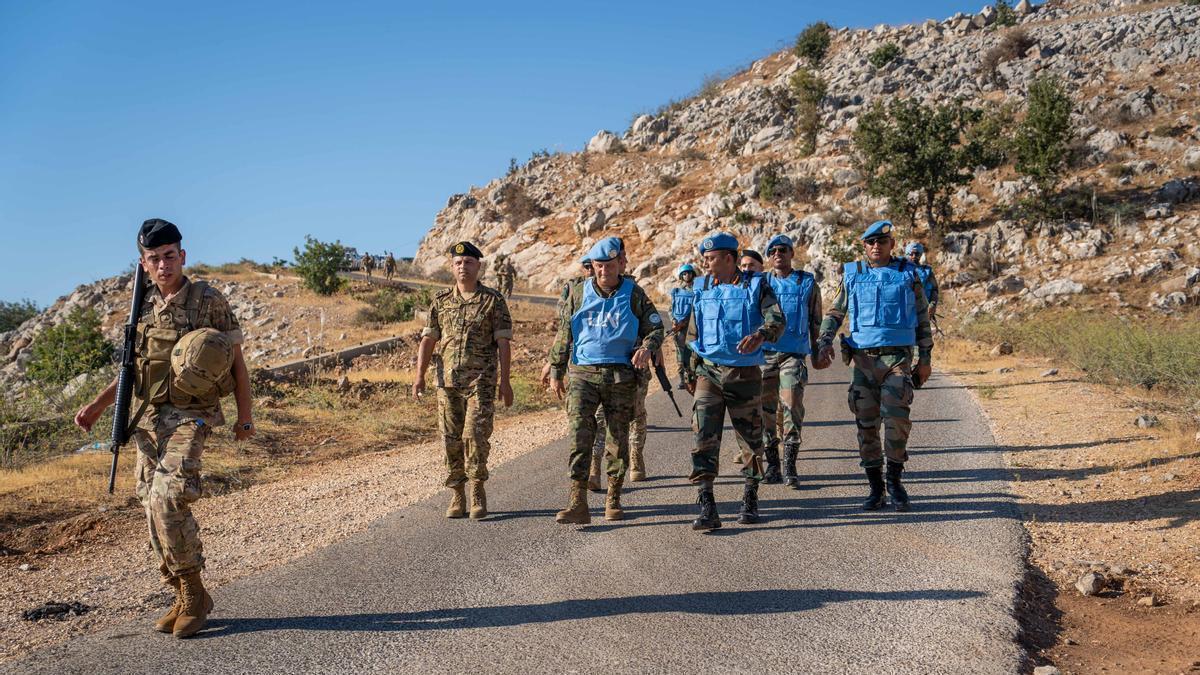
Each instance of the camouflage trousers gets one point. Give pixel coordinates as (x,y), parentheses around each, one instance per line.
(637,426)
(784,377)
(583,401)
(881,392)
(738,390)
(168,481)
(465,416)
(682,352)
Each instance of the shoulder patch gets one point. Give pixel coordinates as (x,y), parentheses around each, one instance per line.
(655,318)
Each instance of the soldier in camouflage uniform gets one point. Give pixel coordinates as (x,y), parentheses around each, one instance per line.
(389,266)
(368,264)
(471,328)
(608,329)
(171,434)
(733,314)
(681,311)
(510,276)
(888,316)
(784,375)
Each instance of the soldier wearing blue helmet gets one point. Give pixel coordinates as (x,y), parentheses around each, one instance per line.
(733,314)
(681,311)
(915,250)
(888,316)
(784,374)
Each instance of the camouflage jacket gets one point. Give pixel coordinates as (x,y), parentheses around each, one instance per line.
(772,327)
(214,312)
(837,314)
(650,335)
(467,331)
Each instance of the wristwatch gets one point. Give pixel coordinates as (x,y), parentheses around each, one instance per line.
(247,426)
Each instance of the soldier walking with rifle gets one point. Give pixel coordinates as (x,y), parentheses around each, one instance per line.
(888,317)
(182,353)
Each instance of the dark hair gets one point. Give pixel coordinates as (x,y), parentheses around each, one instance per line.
(751,253)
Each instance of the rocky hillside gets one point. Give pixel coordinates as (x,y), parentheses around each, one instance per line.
(699,164)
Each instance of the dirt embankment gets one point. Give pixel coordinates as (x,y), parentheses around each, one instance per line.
(1101,495)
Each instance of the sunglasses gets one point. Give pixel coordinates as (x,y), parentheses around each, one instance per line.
(876,241)
(778,250)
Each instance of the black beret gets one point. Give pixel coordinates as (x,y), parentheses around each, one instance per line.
(751,253)
(158,232)
(466,248)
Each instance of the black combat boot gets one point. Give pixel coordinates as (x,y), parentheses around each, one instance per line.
(772,476)
(748,515)
(895,488)
(876,500)
(708,520)
(790,450)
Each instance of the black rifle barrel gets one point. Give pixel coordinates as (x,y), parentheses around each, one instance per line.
(663,380)
(125,376)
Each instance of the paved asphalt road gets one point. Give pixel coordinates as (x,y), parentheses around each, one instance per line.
(818,587)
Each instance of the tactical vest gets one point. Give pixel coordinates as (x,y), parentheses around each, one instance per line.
(925,274)
(681,303)
(604,330)
(724,314)
(883,308)
(794,292)
(153,363)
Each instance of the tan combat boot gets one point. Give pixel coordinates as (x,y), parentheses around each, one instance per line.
(637,465)
(458,501)
(478,500)
(576,512)
(593,481)
(612,505)
(166,623)
(195,606)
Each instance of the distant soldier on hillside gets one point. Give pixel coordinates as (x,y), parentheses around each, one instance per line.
(681,311)
(389,266)
(505,275)
(471,328)
(915,250)
(368,264)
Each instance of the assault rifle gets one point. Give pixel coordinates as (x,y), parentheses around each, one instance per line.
(126,375)
(665,381)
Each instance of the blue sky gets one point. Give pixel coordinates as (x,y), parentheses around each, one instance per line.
(252,124)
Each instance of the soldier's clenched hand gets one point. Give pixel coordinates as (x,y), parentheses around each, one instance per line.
(506,394)
(924,370)
(641,359)
(545,379)
(557,387)
(418,388)
(86,417)
(824,357)
(750,343)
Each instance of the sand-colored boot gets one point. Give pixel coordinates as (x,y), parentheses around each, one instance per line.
(196,604)
(478,500)
(593,481)
(612,504)
(637,465)
(166,623)
(458,501)
(576,512)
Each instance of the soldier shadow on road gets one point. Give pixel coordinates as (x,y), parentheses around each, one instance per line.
(715,603)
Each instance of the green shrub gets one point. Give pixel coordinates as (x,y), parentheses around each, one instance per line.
(74,346)
(667,181)
(772,184)
(392,306)
(318,265)
(813,42)
(742,218)
(885,54)
(1005,16)
(1042,140)
(13,314)
(807,90)
(1109,349)
(1190,3)
(992,134)
(842,248)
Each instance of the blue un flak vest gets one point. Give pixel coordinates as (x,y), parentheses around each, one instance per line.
(724,314)
(681,303)
(605,330)
(794,292)
(882,304)
(925,274)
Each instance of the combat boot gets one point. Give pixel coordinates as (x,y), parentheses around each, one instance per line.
(478,500)
(593,481)
(895,488)
(458,501)
(195,606)
(708,520)
(637,465)
(166,623)
(771,476)
(576,512)
(748,514)
(612,505)
(876,499)
(790,450)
